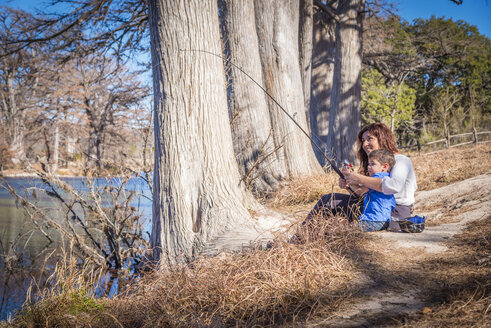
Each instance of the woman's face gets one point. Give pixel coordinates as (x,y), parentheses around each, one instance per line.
(369,142)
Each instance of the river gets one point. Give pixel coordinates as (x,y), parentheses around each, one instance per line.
(22,249)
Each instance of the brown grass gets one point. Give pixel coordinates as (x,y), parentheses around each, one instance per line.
(288,282)
(432,171)
(305,190)
(292,282)
(254,288)
(451,165)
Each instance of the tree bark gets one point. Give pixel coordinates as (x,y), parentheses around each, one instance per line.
(248,106)
(306,46)
(56,146)
(322,79)
(344,116)
(196,191)
(277,24)
(14,118)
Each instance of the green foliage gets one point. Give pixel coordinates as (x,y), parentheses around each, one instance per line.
(79,157)
(81,302)
(389,102)
(63,310)
(456,56)
(444,64)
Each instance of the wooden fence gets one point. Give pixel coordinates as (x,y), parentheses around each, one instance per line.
(477,137)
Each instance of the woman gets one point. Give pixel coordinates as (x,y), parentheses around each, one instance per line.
(401,182)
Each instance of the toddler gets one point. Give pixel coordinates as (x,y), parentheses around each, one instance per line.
(377,206)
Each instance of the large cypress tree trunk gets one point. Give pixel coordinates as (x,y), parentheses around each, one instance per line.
(344,115)
(324,51)
(306,46)
(277,23)
(197,195)
(251,124)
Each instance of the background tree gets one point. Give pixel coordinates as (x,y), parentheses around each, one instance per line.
(391,103)
(41,93)
(279,53)
(445,109)
(427,55)
(250,118)
(105,94)
(21,82)
(456,55)
(324,47)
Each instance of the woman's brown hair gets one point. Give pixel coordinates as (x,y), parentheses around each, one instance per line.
(385,138)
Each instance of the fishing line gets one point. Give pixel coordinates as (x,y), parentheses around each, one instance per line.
(228,61)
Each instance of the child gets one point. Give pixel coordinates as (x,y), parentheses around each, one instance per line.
(377,206)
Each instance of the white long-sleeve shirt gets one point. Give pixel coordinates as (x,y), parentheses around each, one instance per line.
(401,182)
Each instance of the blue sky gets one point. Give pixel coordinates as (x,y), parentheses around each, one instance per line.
(475,12)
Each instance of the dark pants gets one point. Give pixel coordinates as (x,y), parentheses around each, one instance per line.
(401,212)
(351,207)
(339,205)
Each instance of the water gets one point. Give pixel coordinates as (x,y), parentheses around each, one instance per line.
(23,248)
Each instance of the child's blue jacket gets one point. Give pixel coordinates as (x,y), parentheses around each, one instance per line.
(378,206)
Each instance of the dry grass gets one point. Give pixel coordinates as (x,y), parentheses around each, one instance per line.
(451,165)
(288,282)
(302,191)
(432,171)
(292,282)
(70,293)
(255,288)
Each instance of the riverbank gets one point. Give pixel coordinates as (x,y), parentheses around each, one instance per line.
(350,279)
(70,171)
(73,170)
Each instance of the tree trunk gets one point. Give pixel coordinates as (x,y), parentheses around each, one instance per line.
(306,46)
(344,115)
(277,24)
(56,144)
(196,191)
(14,119)
(91,149)
(322,79)
(251,124)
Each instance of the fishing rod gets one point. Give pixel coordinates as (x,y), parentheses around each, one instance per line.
(334,167)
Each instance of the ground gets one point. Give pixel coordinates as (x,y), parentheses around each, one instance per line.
(409,277)
(341,278)
(435,278)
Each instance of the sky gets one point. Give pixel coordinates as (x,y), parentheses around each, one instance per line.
(475,12)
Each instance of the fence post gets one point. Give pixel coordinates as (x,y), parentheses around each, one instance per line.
(447,141)
(475,134)
(419,147)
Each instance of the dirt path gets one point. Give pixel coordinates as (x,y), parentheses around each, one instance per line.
(390,285)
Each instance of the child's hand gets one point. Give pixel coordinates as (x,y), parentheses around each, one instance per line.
(352,178)
(342,183)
